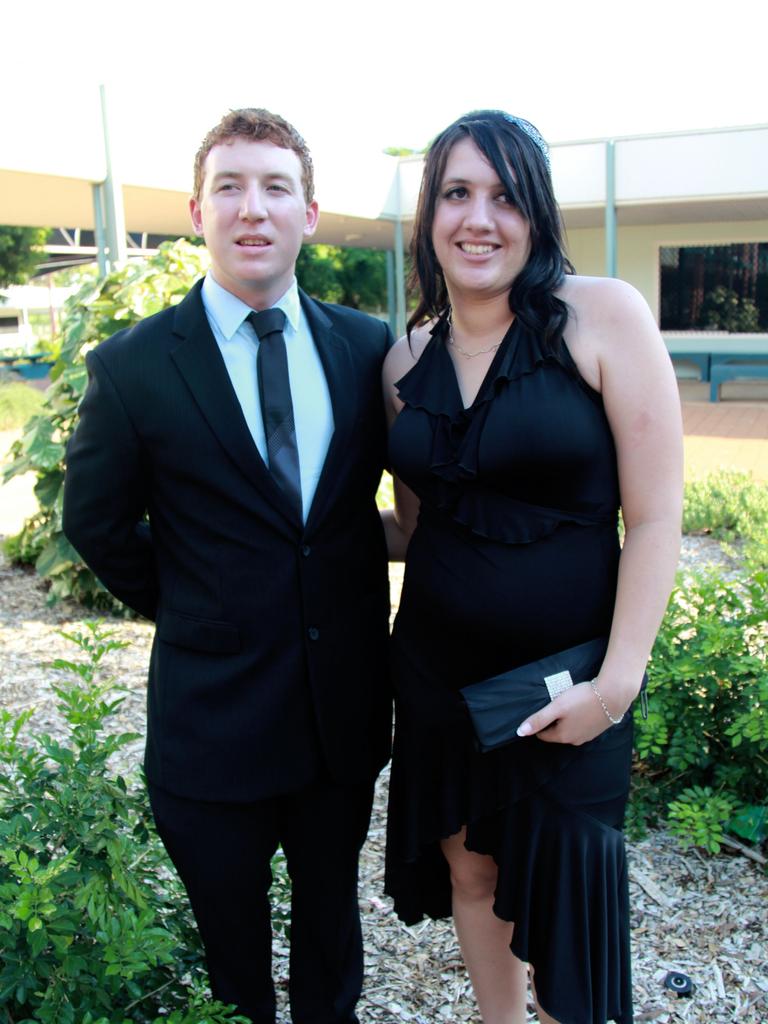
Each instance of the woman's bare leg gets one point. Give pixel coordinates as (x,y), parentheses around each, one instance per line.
(544,1018)
(499,979)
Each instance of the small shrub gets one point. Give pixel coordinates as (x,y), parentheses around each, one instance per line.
(18,402)
(698,817)
(94,925)
(643,809)
(707,727)
(98,310)
(731,506)
(25,547)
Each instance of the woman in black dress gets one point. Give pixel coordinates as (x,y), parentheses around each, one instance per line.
(527,405)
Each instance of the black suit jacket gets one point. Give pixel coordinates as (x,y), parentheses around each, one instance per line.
(269,664)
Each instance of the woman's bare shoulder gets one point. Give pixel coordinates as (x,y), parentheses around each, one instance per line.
(609,324)
(600,297)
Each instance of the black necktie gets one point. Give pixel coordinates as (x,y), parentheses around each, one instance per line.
(276,405)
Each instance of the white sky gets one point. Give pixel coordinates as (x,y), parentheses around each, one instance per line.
(355,77)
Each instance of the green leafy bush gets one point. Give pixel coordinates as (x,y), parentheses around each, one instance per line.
(97,311)
(704,747)
(730,505)
(94,925)
(17,403)
(699,817)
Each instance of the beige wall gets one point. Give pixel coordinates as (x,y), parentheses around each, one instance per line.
(638,248)
(586,248)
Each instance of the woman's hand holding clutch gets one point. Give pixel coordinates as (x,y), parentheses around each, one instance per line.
(579,714)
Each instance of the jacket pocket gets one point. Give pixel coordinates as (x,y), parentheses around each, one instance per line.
(198,634)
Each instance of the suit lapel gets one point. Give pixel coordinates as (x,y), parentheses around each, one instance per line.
(199,361)
(334,352)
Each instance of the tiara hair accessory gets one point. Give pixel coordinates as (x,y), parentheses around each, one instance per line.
(531,131)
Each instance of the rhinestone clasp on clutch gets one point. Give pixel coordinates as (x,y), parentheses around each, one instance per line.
(558,683)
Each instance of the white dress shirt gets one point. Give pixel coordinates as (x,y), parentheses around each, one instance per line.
(239,343)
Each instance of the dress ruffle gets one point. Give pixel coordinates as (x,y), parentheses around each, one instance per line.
(562,871)
(425,386)
(571,868)
(499,518)
(431,386)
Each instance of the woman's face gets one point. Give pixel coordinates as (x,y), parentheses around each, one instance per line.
(480,238)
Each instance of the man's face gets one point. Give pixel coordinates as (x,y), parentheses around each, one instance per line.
(253,216)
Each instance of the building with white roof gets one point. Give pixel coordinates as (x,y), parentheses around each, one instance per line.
(656,210)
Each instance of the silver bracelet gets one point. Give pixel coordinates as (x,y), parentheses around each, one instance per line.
(604,706)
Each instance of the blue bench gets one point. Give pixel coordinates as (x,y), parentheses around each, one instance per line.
(700,359)
(33,371)
(719,356)
(735,367)
(31,366)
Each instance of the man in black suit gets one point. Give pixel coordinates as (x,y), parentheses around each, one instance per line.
(263,566)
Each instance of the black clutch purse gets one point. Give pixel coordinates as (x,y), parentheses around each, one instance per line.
(497,706)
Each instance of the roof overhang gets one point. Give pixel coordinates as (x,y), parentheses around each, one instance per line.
(46,200)
(696,177)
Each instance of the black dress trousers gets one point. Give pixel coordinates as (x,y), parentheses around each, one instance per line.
(222,852)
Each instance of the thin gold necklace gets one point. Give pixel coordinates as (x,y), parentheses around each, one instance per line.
(467,355)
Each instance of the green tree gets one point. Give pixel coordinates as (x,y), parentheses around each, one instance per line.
(403,151)
(317,272)
(352,277)
(20,253)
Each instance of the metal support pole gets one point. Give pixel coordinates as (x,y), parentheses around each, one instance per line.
(399,280)
(391,312)
(610,209)
(114,213)
(51,309)
(98,228)
(399,262)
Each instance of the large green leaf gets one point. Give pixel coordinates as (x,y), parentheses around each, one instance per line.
(48,487)
(21,464)
(57,556)
(751,824)
(38,443)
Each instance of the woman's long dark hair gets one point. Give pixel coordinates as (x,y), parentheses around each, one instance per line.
(523,169)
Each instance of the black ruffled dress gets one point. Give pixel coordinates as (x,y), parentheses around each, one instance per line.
(515,557)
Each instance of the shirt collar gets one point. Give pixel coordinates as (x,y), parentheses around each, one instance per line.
(229,312)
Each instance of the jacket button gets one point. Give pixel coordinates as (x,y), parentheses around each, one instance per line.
(314,634)
(306,550)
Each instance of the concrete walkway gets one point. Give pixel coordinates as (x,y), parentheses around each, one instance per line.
(730,434)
